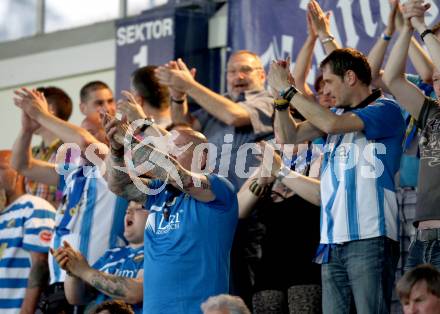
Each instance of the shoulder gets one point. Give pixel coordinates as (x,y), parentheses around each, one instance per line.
(224,191)
(28,201)
(258,97)
(220,181)
(382,106)
(430,109)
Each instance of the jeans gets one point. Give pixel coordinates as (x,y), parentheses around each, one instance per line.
(423,252)
(362,270)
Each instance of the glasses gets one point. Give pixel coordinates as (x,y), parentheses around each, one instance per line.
(243,70)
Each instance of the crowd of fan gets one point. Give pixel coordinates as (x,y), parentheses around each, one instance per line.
(264,200)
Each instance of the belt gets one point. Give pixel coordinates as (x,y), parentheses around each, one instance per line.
(56,287)
(428,234)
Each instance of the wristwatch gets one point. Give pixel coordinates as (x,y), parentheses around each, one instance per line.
(283,172)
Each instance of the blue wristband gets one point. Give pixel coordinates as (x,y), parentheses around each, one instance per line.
(386,37)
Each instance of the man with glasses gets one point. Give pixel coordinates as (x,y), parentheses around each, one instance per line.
(242,116)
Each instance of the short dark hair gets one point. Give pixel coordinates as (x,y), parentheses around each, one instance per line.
(91,87)
(148,87)
(317,83)
(342,60)
(58,100)
(424,272)
(114,307)
(436,28)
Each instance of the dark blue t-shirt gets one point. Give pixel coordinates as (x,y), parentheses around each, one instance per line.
(187,247)
(122,262)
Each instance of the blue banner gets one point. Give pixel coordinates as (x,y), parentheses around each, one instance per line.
(147,39)
(160,35)
(275,29)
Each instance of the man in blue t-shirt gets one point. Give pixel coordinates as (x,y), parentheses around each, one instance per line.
(192,220)
(118,274)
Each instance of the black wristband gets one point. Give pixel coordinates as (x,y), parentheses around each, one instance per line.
(426,32)
(117,153)
(288,94)
(257,189)
(281,107)
(178,101)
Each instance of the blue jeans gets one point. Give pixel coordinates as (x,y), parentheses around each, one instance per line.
(362,270)
(423,252)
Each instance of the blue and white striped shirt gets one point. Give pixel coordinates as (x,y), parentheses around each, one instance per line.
(357,178)
(90,217)
(26,226)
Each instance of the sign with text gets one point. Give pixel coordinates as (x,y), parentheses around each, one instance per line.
(158,36)
(147,39)
(276,29)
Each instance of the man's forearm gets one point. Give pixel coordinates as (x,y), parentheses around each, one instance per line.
(67,132)
(127,289)
(432,44)
(180,113)
(307,188)
(247,199)
(285,127)
(421,61)
(22,160)
(395,67)
(303,64)
(377,55)
(408,95)
(77,291)
(329,45)
(219,106)
(37,282)
(21,151)
(320,117)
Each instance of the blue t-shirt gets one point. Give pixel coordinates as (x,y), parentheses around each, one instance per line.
(187,247)
(123,262)
(357,177)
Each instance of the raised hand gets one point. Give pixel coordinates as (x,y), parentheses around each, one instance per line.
(130,108)
(176,76)
(76,263)
(28,124)
(114,129)
(32,102)
(398,17)
(415,10)
(319,19)
(271,162)
(311,27)
(176,65)
(393,18)
(60,257)
(279,75)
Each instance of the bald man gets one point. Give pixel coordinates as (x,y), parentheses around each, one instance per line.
(190,228)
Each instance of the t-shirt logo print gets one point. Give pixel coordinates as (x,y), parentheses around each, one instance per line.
(167,222)
(430,143)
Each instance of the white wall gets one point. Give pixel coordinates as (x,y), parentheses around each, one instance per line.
(66,59)
(10,115)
